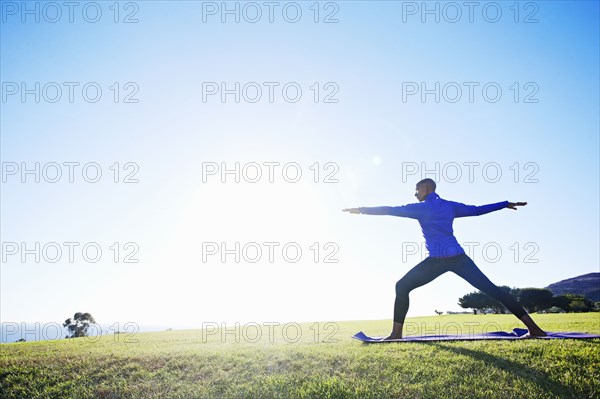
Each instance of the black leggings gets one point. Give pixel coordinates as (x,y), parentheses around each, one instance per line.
(431,268)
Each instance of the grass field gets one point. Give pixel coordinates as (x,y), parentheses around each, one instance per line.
(313,360)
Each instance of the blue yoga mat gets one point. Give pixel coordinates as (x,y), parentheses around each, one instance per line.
(517,333)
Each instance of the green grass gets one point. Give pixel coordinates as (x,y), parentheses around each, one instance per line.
(324,363)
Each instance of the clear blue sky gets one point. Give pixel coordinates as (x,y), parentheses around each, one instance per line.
(375,132)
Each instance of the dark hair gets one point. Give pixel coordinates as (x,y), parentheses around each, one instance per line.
(428,182)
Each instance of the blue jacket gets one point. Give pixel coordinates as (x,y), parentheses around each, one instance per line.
(435,215)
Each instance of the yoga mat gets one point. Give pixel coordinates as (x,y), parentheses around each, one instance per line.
(517,333)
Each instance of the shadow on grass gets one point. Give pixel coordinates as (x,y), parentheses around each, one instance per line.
(518,370)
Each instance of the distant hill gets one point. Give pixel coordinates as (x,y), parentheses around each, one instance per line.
(587,284)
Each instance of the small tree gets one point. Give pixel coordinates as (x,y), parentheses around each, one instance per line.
(579,303)
(499,308)
(535,299)
(573,303)
(79,324)
(578,306)
(561,301)
(477,301)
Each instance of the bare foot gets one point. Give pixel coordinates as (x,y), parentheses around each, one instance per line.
(537,333)
(534,330)
(391,338)
(396,332)
(534,334)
